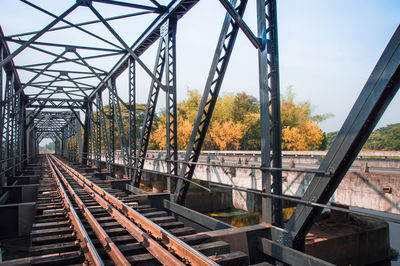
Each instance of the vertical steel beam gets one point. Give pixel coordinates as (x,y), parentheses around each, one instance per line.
(210,95)
(98,141)
(36,36)
(117,116)
(86,133)
(150,112)
(8,127)
(111,128)
(103,129)
(132,117)
(171,108)
(2,118)
(78,133)
(270,117)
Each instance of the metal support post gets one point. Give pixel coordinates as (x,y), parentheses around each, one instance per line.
(103,130)
(79,146)
(117,116)
(2,118)
(270,117)
(111,141)
(132,117)
(171,108)
(98,141)
(86,133)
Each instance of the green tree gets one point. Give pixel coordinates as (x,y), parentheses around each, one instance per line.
(329,138)
(385,138)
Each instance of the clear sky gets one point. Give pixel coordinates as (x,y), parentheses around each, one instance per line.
(327,49)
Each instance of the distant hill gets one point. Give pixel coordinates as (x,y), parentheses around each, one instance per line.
(382,139)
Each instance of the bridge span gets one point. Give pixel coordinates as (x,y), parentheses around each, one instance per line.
(75,81)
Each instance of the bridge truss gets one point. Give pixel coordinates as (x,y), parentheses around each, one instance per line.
(39,78)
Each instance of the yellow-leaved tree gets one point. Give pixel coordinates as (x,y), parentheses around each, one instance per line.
(226,135)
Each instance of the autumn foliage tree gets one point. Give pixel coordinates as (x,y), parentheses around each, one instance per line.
(226,135)
(236,124)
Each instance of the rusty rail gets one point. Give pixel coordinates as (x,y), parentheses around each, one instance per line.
(111,248)
(86,244)
(180,248)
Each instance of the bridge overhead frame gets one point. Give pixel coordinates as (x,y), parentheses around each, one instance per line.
(31,110)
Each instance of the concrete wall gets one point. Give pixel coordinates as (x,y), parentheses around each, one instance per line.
(372,183)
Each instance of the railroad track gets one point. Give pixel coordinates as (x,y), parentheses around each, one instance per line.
(82,219)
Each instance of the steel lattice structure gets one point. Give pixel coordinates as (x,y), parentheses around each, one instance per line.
(71,77)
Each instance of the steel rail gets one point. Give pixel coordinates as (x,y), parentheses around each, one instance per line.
(84,240)
(110,247)
(180,248)
(161,254)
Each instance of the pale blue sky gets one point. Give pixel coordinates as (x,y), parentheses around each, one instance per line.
(327,48)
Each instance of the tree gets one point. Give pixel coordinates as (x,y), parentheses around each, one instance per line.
(236,123)
(300,129)
(330,137)
(385,138)
(226,135)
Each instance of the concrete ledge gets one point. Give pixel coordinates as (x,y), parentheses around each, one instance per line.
(357,241)
(204,201)
(16,219)
(240,239)
(200,219)
(26,179)
(21,193)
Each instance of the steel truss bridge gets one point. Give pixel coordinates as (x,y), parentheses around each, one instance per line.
(57,82)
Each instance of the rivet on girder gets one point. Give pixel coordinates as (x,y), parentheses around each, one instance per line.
(70,49)
(63,73)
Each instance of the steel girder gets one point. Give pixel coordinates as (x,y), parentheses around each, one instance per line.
(171,104)
(12,117)
(166,49)
(270,115)
(132,118)
(111,135)
(117,116)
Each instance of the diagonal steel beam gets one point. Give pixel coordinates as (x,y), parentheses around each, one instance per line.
(113,32)
(119,3)
(81,24)
(71,24)
(379,90)
(257,42)
(31,40)
(213,85)
(149,36)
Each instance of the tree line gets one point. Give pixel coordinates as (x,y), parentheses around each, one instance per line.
(235,125)
(382,139)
